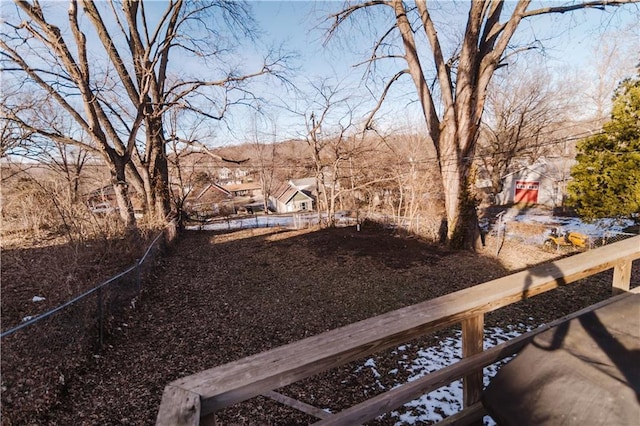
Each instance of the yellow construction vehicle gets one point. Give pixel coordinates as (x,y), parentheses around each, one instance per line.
(557,239)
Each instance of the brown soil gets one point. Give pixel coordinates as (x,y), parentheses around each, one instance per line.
(220,297)
(59,271)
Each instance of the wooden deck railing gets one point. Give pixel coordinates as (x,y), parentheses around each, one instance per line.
(196,398)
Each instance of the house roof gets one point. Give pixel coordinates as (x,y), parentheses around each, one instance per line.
(531,168)
(212,186)
(550,168)
(285,192)
(305,183)
(242,186)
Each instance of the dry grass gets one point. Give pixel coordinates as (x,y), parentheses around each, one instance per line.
(219,297)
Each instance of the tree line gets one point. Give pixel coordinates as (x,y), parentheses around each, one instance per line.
(106,80)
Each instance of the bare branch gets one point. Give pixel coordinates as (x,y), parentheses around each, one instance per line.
(601,5)
(444,76)
(377,58)
(107,41)
(416,71)
(48,88)
(344,15)
(382,97)
(58,137)
(203,148)
(492,27)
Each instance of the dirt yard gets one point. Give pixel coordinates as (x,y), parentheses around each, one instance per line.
(219,297)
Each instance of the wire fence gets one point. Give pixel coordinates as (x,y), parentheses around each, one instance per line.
(298,220)
(525,230)
(554,234)
(41,355)
(418,225)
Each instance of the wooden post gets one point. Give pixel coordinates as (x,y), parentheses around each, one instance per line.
(621,277)
(472,339)
(501,229)
(208,420)
(178,407)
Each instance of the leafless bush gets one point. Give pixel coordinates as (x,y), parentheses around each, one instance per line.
(26,209)
(42,209)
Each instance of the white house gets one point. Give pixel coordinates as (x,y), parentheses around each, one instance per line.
(287,199)
(543,183)
(235,175)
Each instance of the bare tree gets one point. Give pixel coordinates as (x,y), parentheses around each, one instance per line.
(189,156)
(613,62)
(12,135)
(264,158)
(116,69)
(417,182)
(182,173)
(69,162)
(522,113)
(337,147)
(347,157)
(453,101)
(329,122)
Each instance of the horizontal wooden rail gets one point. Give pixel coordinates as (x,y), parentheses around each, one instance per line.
(187,399)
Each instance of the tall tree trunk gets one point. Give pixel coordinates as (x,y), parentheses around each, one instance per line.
(147,192)
(265,191)
(462,219)
(460,203)
(161,189)
(158,171)
(331,210)
(120,189)
(321,203)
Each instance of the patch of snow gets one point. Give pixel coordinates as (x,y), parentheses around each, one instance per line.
(293,220)
(597,228)
(372,365)
(37,299)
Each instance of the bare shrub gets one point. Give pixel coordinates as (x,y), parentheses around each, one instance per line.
(37,208)
(27,208)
